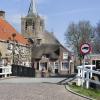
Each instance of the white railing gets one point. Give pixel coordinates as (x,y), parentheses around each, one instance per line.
(5,70)
(85,75)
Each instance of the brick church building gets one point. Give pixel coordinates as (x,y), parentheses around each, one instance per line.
(47,51)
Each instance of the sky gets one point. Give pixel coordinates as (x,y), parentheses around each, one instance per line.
(58,14)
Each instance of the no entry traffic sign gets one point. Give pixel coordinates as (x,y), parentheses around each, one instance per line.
(85,48)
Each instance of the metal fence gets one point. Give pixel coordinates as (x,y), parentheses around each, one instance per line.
(22,71)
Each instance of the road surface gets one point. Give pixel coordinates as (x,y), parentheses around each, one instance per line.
(35,89)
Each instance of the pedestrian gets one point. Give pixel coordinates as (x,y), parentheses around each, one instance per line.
(43,72)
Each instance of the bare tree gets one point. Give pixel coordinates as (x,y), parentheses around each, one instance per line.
(97,39)
(78,34)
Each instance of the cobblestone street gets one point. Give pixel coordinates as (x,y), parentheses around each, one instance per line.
(34,91)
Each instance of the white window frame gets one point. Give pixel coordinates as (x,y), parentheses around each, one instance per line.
(64,68)
(65,55)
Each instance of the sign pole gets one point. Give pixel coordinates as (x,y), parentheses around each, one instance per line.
(84,49)
(83,70)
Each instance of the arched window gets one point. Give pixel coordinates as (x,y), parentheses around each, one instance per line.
(33,25)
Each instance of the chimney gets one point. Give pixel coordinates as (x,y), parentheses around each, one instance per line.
(2,14)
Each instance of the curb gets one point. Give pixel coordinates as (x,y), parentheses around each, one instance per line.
(67,88)
(3,78)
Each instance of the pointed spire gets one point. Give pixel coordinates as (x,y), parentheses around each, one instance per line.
(32,8)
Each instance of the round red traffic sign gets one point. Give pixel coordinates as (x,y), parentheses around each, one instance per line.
(85,48)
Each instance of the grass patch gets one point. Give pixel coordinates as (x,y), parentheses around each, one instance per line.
(93,93)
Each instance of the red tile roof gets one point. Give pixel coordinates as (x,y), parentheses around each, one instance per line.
(6,31)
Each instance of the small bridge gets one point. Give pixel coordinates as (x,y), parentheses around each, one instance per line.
(85,75)
(5,70)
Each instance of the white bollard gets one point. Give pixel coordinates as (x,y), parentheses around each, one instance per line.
(87,79)
(79,80)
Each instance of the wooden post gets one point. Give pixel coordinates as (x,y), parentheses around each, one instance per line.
(5,71)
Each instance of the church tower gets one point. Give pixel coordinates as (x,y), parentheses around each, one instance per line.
(32,25)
